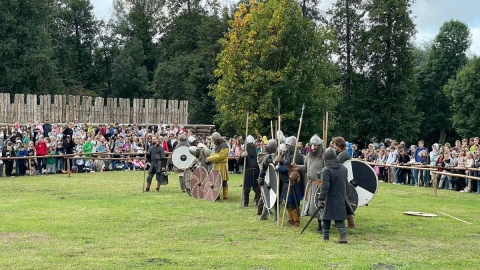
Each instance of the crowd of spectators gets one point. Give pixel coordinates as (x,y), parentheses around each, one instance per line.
(94,149)
(461,158)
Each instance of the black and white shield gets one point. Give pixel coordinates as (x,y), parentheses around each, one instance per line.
(363,178)
(269,190)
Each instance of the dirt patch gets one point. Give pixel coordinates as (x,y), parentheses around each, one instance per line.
(15,236)
(383,266)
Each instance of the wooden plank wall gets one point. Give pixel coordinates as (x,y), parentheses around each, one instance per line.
(62,109)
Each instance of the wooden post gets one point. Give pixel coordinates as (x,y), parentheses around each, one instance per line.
(68,166)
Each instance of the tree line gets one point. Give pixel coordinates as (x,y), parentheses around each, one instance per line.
(357,60)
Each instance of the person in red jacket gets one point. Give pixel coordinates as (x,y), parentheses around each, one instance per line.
(41,151)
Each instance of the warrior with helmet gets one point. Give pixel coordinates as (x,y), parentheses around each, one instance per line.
(182,142)
(288,176)
(313,166)
(252,171)
(219,158)
(265,158)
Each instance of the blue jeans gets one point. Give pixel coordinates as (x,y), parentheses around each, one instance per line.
(415,177)
(426,178)
(60,164)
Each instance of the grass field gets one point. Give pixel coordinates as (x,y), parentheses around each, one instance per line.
(104,221)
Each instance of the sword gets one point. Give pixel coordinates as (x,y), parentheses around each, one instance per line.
(311,218)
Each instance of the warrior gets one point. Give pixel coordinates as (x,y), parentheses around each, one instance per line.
(342,155)
(333,196)
(313,166)
(264,158)
(158,164)
(200,151)
(182,142)
(219,158)
(251,172)
(290,177)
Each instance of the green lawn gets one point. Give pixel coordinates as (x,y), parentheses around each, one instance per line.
(104,221)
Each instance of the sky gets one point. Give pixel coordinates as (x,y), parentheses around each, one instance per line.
(429,15)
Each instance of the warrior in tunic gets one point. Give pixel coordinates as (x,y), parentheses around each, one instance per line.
(312,168)
(264,158)
(182,142)
(158,164)
(289,176)
(333,196)
(219,158)
(252,171)
(340,146)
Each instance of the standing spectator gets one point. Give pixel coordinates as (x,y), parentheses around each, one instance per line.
(41,151)
(425,160)
(392,158)
(8,153)
(47,128)
(381,160)
(418,160)
(60,151)
(51,160)
(22,163)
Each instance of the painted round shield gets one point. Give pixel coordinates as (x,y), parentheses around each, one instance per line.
(182,158)
(199,177)
(187,177)
(211,189)
(363,178)
(269,189)
(352,196)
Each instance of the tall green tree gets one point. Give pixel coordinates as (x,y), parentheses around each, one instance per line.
(188,60)
(347,18)
(389,109)
(464,93)
(141,20)
(270,52)
(27,62)
(447,56)
(74,33)
(130,77)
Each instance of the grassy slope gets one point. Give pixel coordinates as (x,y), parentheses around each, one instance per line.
(104,221)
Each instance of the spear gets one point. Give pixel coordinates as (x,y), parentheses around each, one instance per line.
(244,162)
(293,161)
(278,153)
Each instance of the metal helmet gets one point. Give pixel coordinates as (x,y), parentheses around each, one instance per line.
(282,148)
(191,139)
(216,136)
(291,140)
(315,140)
(250,139)
(183,138)
(272,143)
(330,156)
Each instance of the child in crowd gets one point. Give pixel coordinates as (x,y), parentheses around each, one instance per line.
(51,161)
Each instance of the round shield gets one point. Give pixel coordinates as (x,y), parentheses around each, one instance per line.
(211,189)
(352,196)
(187,177)
(199,177)
(363,178)
(181,157)
(269,190)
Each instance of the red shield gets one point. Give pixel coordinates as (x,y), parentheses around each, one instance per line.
(197,182)
(212,186)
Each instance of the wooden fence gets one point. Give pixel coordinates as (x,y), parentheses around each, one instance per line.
(63,109)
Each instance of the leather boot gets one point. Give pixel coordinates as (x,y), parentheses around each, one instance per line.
(296,218)
(290,218)
(225,194)
(264,214)
(343,238)
(259,210)
(148,187)
(158,187)
(351,222)
(246,198)
(319,228)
